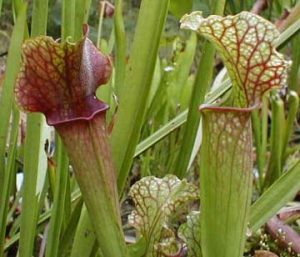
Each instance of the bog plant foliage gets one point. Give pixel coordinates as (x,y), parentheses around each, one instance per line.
(80,193)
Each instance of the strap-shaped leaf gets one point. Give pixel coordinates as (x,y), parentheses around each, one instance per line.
(156,200)
(190,233)
(245,42)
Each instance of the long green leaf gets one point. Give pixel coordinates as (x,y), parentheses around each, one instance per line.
(35,161)
(68,16)
(67,238)
(277,138)
(6,100)
(84,237)
(180,7)
(134,94)
(8,178)
(293,105)
(57,215)
(275,197)
(62,169)
(42,219)
(293,78)
(39,18)
(35,167)
(120,46)
(201,85)
(1,2)
(82,9)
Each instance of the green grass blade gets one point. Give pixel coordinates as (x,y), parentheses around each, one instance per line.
(264,134)
(6,100)
(185,62)
(286,34)
(276,141)
(161,133)
(120,46)
(100,23)
(134,94)
(39,18)
(8,178)
(35,167)
(293,105)
(179,120)
(201,85)
(260,131)
(68,235)
(67,30)
(84,238)
(35,161)
(257,131)
(57,214)
(293,76)
(82,9)
(16,7)
(275,197)
(68,16)
(42,219)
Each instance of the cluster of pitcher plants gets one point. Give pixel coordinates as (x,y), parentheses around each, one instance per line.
(248,168)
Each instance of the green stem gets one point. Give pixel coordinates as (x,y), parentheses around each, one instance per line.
(276,143)
(257,131)
(95,175)
(102,9)
(264,132)
(201,85)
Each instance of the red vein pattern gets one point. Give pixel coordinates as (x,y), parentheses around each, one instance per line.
(60,80)
(245,42)
(155,201)
(190,233)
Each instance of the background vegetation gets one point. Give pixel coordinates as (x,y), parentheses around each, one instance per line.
(157,73)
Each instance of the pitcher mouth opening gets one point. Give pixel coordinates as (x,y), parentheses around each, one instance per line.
(89,108)
(214,108)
